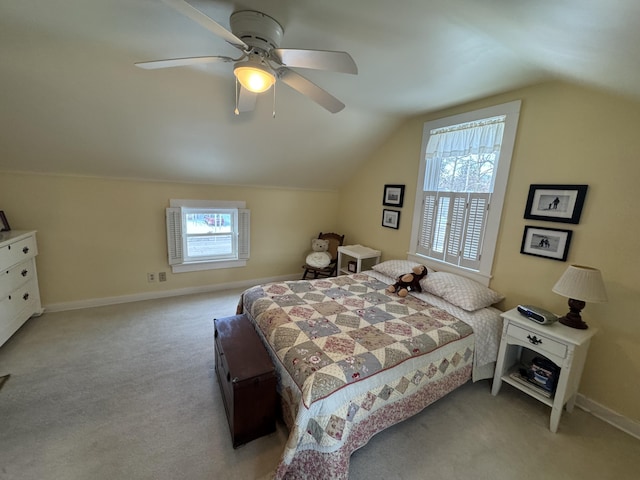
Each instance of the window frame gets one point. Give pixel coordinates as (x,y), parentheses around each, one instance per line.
(511,111)
(176,237)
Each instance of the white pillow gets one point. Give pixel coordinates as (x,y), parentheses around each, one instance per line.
(395,268)
(460,291)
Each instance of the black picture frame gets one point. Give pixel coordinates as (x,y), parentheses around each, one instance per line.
(391,218)
(555,203)
(4,222)
(393,196)
(552,243)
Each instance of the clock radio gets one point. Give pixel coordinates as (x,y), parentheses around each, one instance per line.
(537,314)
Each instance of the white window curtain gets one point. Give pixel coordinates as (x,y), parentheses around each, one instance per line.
(479,140)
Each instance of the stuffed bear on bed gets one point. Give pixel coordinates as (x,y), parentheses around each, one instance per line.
(409,282)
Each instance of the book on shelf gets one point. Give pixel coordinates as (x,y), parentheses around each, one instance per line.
(515,375)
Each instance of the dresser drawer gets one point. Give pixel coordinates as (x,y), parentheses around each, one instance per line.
(16,276)
(24,298)
(18,251)
(541,342)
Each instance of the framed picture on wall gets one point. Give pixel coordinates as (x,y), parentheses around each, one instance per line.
(393,196)
(546,242)
(4,223)
(556,203)
(391,218)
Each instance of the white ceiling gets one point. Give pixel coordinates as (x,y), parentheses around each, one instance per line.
(72,101)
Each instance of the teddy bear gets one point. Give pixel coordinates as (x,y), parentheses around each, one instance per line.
(320,256)
(409,281)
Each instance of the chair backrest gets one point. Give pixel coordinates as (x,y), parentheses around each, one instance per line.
(335,241)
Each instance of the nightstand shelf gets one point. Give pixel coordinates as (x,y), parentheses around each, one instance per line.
(566,347)
(358,253)
(530,389)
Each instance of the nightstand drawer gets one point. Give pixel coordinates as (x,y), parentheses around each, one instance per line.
(541,342)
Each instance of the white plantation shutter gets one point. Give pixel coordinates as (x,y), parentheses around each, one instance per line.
(455,227)
(452,227)
(478,208)
(427,223)
(174,235)
(244,218)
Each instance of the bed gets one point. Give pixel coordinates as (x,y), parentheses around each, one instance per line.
(353,359)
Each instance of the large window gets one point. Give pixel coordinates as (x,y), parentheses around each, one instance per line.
(205,235)
(461,186)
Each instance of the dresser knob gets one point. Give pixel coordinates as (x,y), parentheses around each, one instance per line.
(24,272)
(25,297)
(535,340)
(25,250)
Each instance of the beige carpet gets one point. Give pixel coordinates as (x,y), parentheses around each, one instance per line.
(128,392)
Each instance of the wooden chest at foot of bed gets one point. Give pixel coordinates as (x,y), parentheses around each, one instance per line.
(247,379)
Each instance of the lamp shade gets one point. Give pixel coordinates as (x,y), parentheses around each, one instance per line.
(253,76)
(581,283)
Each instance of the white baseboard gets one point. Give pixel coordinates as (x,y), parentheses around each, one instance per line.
(100,302)
(607,415)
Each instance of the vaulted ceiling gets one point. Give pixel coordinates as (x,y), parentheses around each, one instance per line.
(74,103)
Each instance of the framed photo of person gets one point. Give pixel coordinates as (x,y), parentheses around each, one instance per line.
(550,243)
(556,203)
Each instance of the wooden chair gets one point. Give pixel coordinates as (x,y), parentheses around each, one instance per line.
(335,240)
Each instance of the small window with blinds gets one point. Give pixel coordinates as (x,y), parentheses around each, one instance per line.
(206,235)
(463,174)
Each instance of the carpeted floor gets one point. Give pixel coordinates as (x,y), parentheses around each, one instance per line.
(129,392)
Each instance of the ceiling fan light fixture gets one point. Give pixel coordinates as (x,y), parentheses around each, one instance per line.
(254,77)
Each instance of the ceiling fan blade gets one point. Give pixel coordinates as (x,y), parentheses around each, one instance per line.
(316,59)
(181,62)
(207,22)
(310,89)
(246,100)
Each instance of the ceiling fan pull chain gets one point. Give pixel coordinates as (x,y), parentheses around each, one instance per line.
(236,111)
(274,100)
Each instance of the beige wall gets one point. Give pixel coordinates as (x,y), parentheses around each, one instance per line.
(566,134)
(98,238)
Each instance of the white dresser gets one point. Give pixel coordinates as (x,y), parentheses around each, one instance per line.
(19,293)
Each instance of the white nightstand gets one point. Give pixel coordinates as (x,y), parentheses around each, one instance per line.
(566,347)
(358,253)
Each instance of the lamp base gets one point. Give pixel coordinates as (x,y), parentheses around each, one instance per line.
(573,323)
(573,318)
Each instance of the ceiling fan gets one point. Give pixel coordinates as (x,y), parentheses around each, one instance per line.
(262,62)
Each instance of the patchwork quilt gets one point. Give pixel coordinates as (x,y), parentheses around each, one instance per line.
(345,350)
(333,332)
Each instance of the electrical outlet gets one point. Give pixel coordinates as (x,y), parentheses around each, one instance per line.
(162,276)
(151,277)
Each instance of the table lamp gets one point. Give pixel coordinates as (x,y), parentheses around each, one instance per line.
(580,284)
